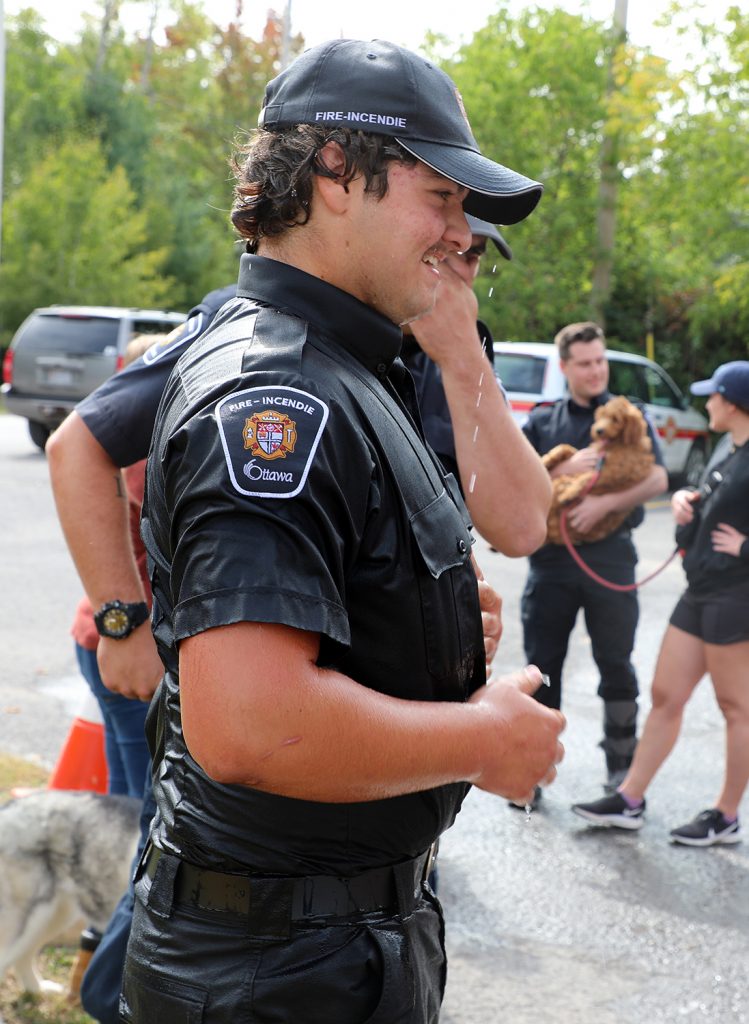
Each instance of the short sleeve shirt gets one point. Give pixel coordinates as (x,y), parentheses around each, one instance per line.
(120,413)
(288,483)
(566,422)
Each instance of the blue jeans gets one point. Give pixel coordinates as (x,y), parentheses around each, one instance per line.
(124,737)
(100,988)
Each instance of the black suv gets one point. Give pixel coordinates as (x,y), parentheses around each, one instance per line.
(62,353)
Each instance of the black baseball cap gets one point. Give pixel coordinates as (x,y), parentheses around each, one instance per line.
(730,380)
(487,230)
(383,88)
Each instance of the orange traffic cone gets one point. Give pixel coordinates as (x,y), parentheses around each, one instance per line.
(83,763)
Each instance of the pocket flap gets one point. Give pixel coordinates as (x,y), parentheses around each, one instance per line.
(442,535)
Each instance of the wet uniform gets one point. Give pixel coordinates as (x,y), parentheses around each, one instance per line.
(289,483)
(557,588)
(120,414)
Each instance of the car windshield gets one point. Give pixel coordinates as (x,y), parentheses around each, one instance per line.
(520,372)
(82,335)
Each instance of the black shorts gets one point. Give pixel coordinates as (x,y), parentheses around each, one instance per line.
(720,618)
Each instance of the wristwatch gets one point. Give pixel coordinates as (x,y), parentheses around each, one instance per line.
(117,619)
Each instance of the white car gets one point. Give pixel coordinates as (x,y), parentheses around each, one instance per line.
(530,373)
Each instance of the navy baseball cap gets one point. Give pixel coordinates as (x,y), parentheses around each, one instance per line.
(486,230)
(383,88)
(730,380)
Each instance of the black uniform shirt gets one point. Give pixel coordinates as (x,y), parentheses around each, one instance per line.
(566,422)
(120,412)
(279,491)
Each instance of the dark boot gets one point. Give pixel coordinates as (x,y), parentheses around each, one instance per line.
(619,739)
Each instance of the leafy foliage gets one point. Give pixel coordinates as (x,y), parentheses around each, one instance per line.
(117,183)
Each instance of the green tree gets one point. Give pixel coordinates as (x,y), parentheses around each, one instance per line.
(534,87)
(73,234)
(43,102)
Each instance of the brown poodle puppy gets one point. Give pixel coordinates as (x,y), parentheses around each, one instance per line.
(620,433)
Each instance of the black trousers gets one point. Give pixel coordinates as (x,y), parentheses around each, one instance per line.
(549,609)
(188,965)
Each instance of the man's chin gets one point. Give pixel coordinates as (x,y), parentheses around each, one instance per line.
(417,316)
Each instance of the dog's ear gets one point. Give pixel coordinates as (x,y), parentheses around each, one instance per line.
(634,427)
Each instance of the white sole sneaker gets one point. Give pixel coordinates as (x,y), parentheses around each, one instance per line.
(611,821)
(726,839)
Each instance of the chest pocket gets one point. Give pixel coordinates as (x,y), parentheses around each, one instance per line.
(440,530)
(449,598)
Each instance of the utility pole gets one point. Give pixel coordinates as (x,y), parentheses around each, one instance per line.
(286,37)
(607,189)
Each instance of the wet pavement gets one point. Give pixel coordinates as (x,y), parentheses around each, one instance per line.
(547,919)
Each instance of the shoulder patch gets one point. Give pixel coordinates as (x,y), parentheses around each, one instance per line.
(270,436)
(183,333)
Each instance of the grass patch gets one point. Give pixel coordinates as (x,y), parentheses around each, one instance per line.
(54,962)
(15,771)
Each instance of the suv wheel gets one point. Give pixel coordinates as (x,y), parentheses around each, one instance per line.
(39,433)
(694,467)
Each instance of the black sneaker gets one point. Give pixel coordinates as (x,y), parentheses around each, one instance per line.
(708,829)
(612,811)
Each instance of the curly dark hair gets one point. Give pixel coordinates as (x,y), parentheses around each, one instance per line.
(274,171)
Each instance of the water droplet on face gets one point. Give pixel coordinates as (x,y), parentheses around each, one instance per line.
(472,483)
(481,380)
(528,811)
(475,433)
(478,400)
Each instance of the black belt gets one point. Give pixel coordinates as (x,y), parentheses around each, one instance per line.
(395,888)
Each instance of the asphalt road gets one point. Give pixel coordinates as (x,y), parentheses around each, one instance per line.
(547,919)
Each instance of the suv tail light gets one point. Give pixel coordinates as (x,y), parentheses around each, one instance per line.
(8,367)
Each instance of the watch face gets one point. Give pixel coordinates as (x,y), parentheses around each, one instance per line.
(116,621)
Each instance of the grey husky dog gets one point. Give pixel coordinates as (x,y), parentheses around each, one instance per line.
(65,857)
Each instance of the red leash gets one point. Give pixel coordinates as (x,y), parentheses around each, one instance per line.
(586,568)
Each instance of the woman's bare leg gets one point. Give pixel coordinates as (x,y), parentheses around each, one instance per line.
(680,666)
(728,665)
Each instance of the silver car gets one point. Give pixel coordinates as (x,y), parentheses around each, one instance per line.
(530,373)
(60,354)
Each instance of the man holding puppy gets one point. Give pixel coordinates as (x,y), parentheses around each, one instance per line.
(556,588)
(323,710)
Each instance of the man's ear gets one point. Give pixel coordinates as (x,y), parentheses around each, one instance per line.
(333,192)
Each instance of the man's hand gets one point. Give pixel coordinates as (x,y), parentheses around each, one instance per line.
(491,618)
(131,667)
(451,323)
(528,747)
(583,461)
(591,510)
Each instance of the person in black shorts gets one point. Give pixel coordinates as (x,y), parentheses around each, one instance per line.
(708,631)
